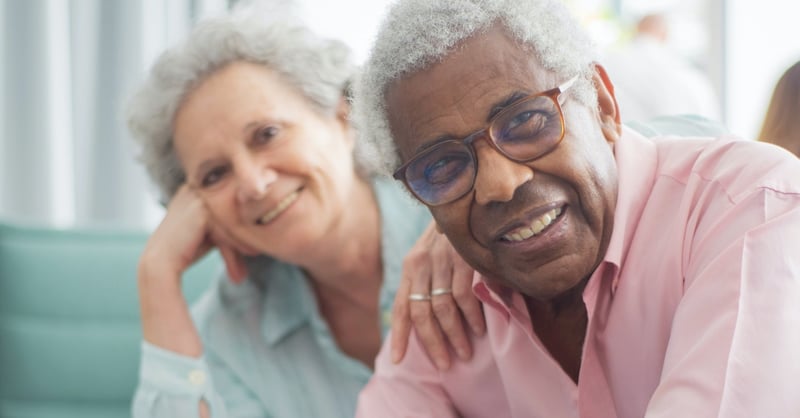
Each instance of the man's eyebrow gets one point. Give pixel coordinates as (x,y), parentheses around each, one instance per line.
(496,108)
(429,144)
(502,104)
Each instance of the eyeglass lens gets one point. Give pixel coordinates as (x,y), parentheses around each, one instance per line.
(522,132)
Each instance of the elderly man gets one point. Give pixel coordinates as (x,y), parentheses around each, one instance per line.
(620,276)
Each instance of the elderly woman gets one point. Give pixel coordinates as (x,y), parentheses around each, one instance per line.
(245,129)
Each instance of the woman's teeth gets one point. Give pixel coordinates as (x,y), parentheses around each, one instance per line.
(535,227)
(277,210)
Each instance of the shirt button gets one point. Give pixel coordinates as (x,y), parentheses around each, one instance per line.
(197,377)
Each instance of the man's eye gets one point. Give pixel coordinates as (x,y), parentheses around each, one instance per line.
(445,169)
(528,121)
(266,135)
(213,176)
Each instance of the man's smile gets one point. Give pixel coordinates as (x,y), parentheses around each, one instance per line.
(534,228)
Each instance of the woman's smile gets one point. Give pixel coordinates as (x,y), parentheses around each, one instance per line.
(281,207)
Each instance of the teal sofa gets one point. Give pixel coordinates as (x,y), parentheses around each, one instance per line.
(69,320)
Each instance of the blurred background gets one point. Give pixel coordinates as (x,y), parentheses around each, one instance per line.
(67,68)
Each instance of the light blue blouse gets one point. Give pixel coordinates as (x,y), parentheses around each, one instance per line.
(268,351)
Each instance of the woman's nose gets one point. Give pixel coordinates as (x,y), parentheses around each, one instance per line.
(254,181)
(498,177)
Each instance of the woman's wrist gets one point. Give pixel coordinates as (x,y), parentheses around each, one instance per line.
(166,321)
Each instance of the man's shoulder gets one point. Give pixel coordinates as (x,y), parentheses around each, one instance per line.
(739,166)
(686,124)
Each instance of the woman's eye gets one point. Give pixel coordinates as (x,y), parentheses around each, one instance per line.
(265,135)
(213,176)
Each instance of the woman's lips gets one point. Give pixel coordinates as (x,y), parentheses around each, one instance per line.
(279,208)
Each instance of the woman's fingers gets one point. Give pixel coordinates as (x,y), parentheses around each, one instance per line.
(234,263)
(426,325)
(442,301)
(416,309)
(401,319)
(468,303)
(180,238)
(435,297)
(232,254)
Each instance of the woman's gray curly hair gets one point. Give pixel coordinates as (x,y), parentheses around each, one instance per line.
(418,33)
(320,69)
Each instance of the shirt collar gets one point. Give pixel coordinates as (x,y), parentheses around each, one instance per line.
(276,291)
(287,299)
(637,160)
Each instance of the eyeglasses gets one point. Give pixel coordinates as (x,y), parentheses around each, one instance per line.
(522,132)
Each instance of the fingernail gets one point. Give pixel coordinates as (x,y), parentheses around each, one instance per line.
(442,364)
(462,354)
(395,356)
(478,330)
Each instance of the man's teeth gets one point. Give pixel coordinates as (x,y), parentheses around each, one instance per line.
(536,226)
(282,205)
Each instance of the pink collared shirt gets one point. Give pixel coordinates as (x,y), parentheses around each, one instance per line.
(694,311)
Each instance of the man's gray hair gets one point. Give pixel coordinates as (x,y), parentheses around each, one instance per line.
(319,69)
(419,33)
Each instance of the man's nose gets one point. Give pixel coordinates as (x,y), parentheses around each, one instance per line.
(498,177)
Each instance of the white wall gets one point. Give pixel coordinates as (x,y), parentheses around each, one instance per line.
(352,21)
(750,44)
(762,42)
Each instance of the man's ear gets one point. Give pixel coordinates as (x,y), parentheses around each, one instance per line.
(607,104)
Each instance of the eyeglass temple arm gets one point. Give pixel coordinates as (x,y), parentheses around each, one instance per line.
(566,85)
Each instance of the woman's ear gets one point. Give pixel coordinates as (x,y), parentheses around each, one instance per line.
(343,110)
(343,119)
(607,104)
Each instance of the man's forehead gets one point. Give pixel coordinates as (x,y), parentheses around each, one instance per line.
(471,79)
(492,57)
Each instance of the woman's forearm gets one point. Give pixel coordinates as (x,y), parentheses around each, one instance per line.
(166,320)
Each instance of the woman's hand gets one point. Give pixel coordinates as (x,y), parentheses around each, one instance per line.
(185,234)
(434,272)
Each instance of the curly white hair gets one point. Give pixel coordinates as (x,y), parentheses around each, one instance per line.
(418,33)
(320,69)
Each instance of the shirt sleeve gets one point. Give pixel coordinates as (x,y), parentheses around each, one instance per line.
(412,388)
(172,385)
(736,333)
